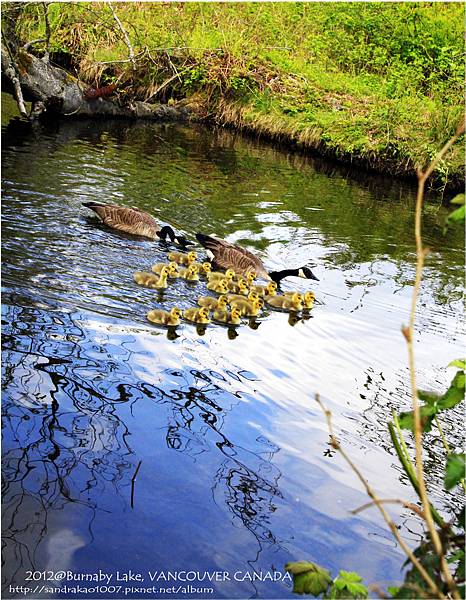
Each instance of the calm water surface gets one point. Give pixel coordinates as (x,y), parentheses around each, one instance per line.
(235,470)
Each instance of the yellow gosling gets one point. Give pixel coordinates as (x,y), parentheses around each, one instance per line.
(151,280)
(232,318)
(182,258)
(218,286)
(212,303)
(250,277)
(247,308)
(216,275)
(266,290)
(172,268)
(294,302)
(238,287)
(163,317)
(308,300)
(204,268)
(190,274)
(197,315)
(251,296)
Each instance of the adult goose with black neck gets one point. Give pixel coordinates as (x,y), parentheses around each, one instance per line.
(225,255)
(134,221)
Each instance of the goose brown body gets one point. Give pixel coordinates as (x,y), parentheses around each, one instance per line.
(226,255)
(129,220)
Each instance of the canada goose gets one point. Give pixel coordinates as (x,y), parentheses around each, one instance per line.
(213,303)
(308,298)
(162,317)
(172,269)
(151,280)
(135,221)
(197,315)
(247,308)
(226,255)
(294,302)
(266,290)
(216,275)
(232,318)
(182,258)
(218,286)
(253,295)
(190,274)
(204,268)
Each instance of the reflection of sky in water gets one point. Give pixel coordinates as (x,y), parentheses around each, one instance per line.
(235,473)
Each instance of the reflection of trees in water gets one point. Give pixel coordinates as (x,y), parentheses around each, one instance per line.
(246,481)
(64,443)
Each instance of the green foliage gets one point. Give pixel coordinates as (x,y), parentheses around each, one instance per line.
(348,585)
(454,471)
(308,578)
(436,403)
(380,81)
(458,215)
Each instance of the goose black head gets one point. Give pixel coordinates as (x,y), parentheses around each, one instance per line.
(183,242)
(307,273)
(165,232)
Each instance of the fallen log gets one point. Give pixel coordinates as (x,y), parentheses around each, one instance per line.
(52,89)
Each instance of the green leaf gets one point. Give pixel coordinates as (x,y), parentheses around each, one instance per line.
(427,413)
(347,585)
(459,362)
(456,215)
(454,471)
(308,578)
(458,199)
(428,397)
(455,393)
(392,590)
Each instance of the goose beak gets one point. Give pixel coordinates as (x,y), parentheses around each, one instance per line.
(183,242)
(307,273)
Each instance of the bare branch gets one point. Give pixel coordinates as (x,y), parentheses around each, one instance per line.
(10,70)
(125,35)
(408,505)
(393,528)
(45,7)
(408,333)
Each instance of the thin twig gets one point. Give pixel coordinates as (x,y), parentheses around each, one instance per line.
(125,35)
(393,528)
(408,333)
(45,7)
(408,505)
(133,481)
(11,71)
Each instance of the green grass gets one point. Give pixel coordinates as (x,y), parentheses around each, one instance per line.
(380,82)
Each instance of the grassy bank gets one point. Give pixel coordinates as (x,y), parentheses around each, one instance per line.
(376,84)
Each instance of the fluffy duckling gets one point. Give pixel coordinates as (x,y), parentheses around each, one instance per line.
(251,296)
(247,308)
(182,258)
(213,303)
(172,268)
(308,298)
(190,274)
(294,302)
(197,315)
(250,277)
(217,275)
(219,286)
(203,268)
(151,280)
(238,287)
(163,317)
(232,318)
(266,290)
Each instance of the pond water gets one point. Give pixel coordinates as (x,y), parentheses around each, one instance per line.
(125,449)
